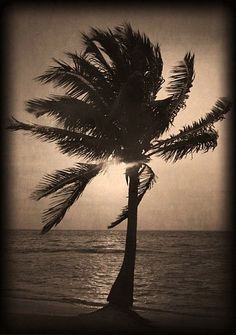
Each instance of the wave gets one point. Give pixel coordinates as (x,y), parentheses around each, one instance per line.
(96,250)
(59,300)
(72,250)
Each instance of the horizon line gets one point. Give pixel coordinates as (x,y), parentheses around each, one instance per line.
(187,230)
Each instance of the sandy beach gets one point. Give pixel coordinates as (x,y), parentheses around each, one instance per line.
(25,316)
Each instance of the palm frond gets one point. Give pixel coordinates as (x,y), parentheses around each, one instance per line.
(136,44)
(201,135)
(94,74)
(65,76)
(180,147)
(127,51)
(146,181)
(64,197)
(110,46)
(60,178)
(197,130)
(94,53)
(181,82)
(73,81)
(71,143)
(218,111)
(141,56)
(72,113)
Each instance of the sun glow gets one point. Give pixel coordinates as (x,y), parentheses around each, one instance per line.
(116,166)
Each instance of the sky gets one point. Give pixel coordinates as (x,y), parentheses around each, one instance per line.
(188,195)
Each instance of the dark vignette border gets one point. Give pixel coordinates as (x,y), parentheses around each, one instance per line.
(5,8)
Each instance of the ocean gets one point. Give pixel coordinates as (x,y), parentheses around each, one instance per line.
(176,271)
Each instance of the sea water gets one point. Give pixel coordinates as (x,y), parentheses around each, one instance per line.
(176,271)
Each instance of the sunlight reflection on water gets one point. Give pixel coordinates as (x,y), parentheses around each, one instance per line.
(174,270)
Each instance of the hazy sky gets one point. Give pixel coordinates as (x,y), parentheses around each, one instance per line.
(190,194)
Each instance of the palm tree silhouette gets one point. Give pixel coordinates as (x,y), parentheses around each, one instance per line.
(110,112)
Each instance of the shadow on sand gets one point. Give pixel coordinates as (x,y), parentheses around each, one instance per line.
(107,320)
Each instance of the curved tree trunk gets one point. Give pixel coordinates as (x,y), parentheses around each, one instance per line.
(121,293)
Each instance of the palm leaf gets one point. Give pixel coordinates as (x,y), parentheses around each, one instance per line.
(218,111)
(71,143)
(75,115)
(128,51)
(94,74)
(72,113)
(94,53)
(110,46)
(180,147)
(60,178)
(141,56)
(73,81)
(133,40)
(181,82)
(221,107)
(198,130)
(65,196)
(200,136)
(146,180)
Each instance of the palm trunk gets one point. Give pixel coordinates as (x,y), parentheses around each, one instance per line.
(121,293)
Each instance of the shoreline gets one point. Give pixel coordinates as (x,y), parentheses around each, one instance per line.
(25,316)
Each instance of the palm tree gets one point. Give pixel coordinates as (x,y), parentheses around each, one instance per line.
(110,112)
